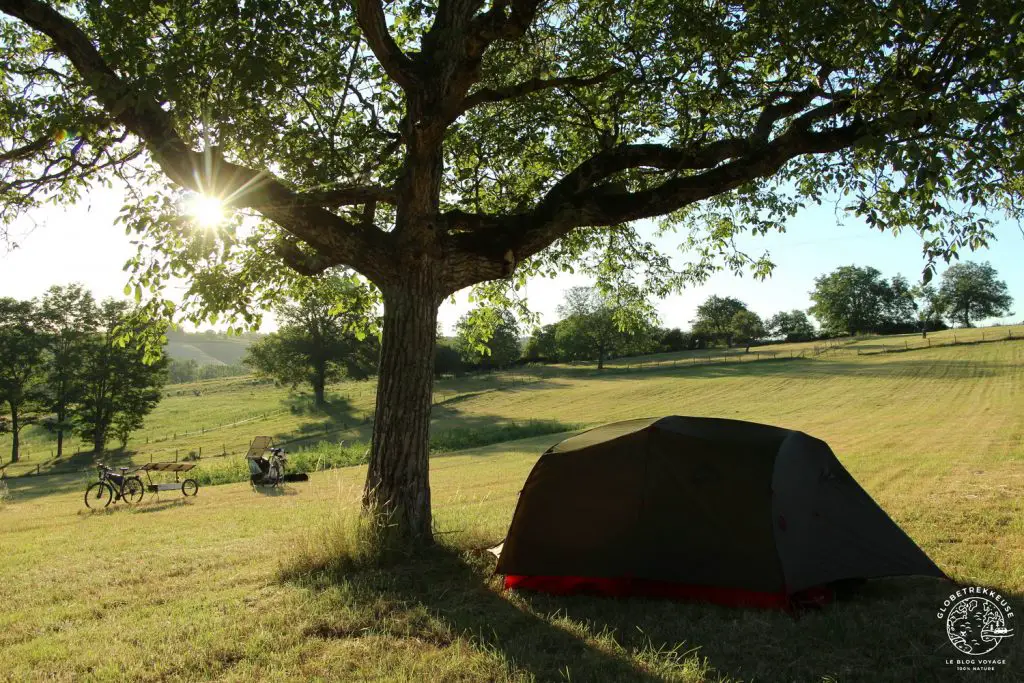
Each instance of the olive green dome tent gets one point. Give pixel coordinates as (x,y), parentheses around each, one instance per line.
(699,508)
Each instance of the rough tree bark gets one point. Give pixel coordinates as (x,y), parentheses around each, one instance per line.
(429,254)
(397,483)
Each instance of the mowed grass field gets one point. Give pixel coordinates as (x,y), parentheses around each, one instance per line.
(209,588)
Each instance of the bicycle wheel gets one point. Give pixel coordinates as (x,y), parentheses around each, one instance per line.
(98,495)
(189,487)
(133,490)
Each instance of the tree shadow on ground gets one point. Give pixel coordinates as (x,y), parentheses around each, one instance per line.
(276,491)
(338,413)
(445,595)
(885,631)
(69,473)
(810,369)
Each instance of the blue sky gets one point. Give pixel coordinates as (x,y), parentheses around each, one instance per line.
(81,244)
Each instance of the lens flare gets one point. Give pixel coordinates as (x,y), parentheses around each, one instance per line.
(206,211)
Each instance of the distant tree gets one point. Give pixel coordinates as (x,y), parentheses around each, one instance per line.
(851,300)
(746,328)
(595,326)
(434,146)
(68,317)
(676,340)
(931,309)
(790,326)
(542,344)
(714,319)
(899,313)
(970,291)
(322,337)
(121,387)
(447,360)
(182,371)
(488,338)
(22,344)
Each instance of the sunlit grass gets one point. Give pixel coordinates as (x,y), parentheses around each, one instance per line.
(247,585)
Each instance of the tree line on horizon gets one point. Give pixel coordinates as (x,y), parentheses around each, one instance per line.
(331,332)
(851,300)
(75,366)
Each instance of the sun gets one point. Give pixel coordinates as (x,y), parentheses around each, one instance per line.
(206,211)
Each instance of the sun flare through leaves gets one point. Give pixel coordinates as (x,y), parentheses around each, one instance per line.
(206,211)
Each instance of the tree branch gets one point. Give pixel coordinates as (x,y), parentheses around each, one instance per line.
(29,149)
(396,64)
(578,200)
(361,246)
(490,95)
(348,196)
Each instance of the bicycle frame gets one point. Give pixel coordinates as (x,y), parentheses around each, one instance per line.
(107,476)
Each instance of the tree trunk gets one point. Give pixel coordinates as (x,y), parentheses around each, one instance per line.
(99,441)
(318,386)
(61,416)
(15,428)
(397,483)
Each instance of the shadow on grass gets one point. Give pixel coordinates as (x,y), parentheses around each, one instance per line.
(275,491)
(887,630)
(444,596)
(337,414)
(136,509)
(811,369)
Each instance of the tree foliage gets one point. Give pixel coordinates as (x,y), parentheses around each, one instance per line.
(595,326)
(323,336)
(121,382)
(856,300)
(542,346)
(434,147)
(498,349)
(746,327)
(971,291)
(68,317)
(22,344)
(790,326)
(931,308)
(714,319)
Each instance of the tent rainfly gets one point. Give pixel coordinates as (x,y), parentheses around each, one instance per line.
(723,511)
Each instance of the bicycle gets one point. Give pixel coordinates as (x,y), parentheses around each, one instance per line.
(113,487)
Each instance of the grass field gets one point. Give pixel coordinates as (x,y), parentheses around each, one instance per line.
(207,589)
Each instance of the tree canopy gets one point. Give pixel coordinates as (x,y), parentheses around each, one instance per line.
(21,366)
(714,321)
(323,336)
(499,349)
(971,291)
(434,147)
(791,326)
(597,327)
(121,384)
(747,327)
(858,300)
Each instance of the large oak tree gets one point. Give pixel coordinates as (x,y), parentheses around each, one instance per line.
(434,146)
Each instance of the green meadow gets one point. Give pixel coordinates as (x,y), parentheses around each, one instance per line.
(242,585)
